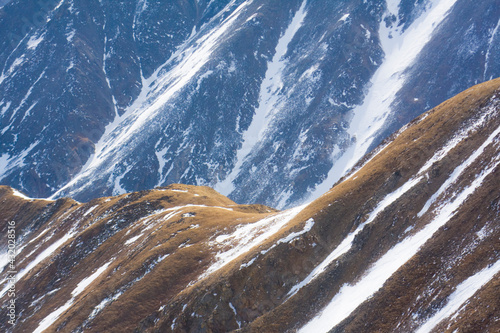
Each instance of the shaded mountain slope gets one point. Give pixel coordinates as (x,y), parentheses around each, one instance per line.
(266,101)
(407,242)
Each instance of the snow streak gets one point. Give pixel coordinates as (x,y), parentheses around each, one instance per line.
(350,297)
(463,292)
(401,50)
(156,92)
(53,316)
(248,236)
(269,100)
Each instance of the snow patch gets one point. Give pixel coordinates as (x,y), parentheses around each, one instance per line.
(87,281)
(70,35)
(34,41)
(248,236)
(347,243)
(344,18)
(90,210)
(52,317)
(458,171)
(133,239)
(45,254)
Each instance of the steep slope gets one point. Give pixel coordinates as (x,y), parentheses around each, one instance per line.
(92,258)
(407,242)
(266,101)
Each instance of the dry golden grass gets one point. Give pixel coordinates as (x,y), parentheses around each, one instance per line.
(258,291)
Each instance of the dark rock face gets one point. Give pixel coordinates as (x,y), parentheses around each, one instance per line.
(255,98)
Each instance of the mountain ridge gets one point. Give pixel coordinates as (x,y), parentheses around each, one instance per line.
(408,238)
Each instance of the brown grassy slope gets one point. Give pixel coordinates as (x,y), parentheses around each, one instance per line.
(101,236)
(348,203)
(251,291)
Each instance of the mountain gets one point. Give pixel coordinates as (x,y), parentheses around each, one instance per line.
(268,102)
(406,242)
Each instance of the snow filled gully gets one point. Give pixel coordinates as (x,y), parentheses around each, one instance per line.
(269,100)
(400,49)
(350,296)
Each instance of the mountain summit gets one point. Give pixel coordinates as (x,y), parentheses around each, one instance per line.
(405,242)
(268,102)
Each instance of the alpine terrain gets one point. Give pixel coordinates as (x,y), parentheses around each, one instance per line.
(407,241)
(267,101)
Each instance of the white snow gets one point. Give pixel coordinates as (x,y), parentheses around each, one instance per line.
(9,163)
(161,162)
(90,210)
(99,307)
(87,281)
(463,292)
(173,324)
(34,41)
(70,35)
(39,235)
(458,171)
(350,297)
(459,137)
(235,314)
(4,260)
(483,233)
(45,254)
(25,98)
(346,244)
(393,6)
(307,227)
(368,34)
(16,193)
(5,108)
(70,66)
(248,236)
(50,16)
(269,100)
(133,239)
(52,317)
(400,52)
(156,92)
(117,188)
(248,264)
(488,52)
(13,67)
(28,111)
(344,18)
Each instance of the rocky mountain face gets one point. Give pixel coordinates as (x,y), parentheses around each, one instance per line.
(406,242)
(268,102)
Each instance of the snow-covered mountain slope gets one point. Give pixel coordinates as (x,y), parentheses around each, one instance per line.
(407,242)
(266,101)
